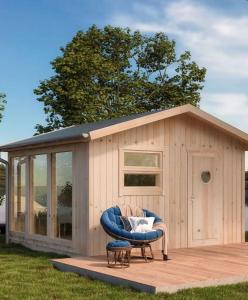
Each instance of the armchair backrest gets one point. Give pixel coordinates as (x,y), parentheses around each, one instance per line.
(110,218)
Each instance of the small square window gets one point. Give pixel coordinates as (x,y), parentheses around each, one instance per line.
(140,172)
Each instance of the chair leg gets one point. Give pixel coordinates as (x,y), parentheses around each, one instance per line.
(165,256)
(150,247)
(108,256)
(144,250)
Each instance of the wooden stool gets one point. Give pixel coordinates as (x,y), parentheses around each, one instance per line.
(121,254)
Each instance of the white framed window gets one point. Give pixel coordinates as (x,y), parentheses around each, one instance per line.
(140,172)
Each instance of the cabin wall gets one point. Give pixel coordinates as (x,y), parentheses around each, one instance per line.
(80,230)
(177,136)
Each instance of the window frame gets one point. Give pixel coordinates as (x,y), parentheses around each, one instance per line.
(141,190)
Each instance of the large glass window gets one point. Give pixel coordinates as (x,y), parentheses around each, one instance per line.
(63,198)
(19,203)
(39,189)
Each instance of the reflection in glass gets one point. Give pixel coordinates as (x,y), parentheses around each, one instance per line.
(141,159)
(63,207)
(39,163)
(19,205)
(140,179)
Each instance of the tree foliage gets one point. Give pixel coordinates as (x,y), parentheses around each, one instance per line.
(112,72)
(2,105)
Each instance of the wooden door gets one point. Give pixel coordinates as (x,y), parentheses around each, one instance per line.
(204,199)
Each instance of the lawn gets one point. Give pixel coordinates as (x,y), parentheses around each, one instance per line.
(26,274)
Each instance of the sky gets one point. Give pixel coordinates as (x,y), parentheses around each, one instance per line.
(32,32)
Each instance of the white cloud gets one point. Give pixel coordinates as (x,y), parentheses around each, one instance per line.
(217,41)
(229,107)
(226,104)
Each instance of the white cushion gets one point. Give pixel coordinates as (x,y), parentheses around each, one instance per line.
(141,224)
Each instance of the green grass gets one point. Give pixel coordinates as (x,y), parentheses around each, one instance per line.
(27,274)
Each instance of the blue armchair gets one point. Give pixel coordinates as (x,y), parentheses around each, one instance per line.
(111,223)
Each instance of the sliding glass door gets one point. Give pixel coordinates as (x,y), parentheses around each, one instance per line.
(42,195)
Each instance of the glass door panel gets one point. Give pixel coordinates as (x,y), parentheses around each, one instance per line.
(39,195)
(19,194)
(63,194)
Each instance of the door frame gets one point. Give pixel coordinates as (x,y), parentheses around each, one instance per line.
(219,165)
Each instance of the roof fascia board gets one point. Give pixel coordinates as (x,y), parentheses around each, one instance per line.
(227,128)
(95,134)
(43,145)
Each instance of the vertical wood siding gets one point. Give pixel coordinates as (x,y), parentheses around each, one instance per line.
(177,136)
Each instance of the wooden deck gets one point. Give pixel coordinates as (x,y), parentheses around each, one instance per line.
(187,268)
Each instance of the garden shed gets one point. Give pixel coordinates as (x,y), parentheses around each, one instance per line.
(182,163)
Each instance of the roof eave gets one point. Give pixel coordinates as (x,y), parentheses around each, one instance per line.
(95,134)
(84,137)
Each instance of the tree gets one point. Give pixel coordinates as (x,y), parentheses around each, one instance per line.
(65,194)
(2,105)
(112,72)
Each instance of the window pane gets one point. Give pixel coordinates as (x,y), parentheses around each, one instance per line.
(40,194)
(19,205)
(140,179)
(140,159)
(63,178)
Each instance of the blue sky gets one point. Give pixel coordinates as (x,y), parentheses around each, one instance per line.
(33,31)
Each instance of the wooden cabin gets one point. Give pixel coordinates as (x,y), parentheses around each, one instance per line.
(183,164)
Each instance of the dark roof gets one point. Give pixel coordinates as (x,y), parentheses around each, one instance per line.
(92,131)
(76,132)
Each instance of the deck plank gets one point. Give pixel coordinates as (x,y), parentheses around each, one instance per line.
(191,267)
